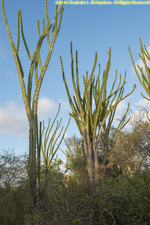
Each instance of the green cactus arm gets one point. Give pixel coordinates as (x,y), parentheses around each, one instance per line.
(77,76)
(114,83)
(18,31)
(144,86)
(79,123)
(23,37)
(144,79)
(42,132)
(120,93)
(74,85)
(145,97)
(38,25)
(40,62)
(50,128)
(55,25)
(46,135)
(47,27)
(8,30)
(100,131)
(110,120)
(36,71)
(97,85)
(106,74)
(29,87)
(121,99)
(103,87)
(56,139)
(122,122)
(118,88)
(146,53)
(67,90)
(44,25)
(93,69)
(145,65)
(76,104)
(51,143)
(89,106)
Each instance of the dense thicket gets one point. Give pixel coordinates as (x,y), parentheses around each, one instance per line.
(121,197)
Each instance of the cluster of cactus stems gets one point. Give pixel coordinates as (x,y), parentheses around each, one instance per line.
(37,70)
(91,122)
(50,140)
(144,81)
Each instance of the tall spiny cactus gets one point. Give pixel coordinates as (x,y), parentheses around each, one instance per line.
(49,141)
(90,122)
(144,81)
(37,68)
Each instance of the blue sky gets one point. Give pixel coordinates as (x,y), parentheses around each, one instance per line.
(90,28)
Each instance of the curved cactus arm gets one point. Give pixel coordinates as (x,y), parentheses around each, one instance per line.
(23,37)
(18,29)
(77,76)
(114,83)
(75,111)
(97,85)
(122,122)
(78,97)
(93,69)
(47,21)
(142,83)
(106,74)
(53,121)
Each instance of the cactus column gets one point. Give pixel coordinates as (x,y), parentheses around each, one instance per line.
(38,69)
(89,120)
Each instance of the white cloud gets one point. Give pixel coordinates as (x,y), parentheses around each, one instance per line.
(13,120)
(143,103)
(46,107)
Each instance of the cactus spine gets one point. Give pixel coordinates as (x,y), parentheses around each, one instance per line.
(37,68)
(90,122)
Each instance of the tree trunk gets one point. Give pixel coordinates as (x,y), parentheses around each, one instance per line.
(32,160)
(96,166)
